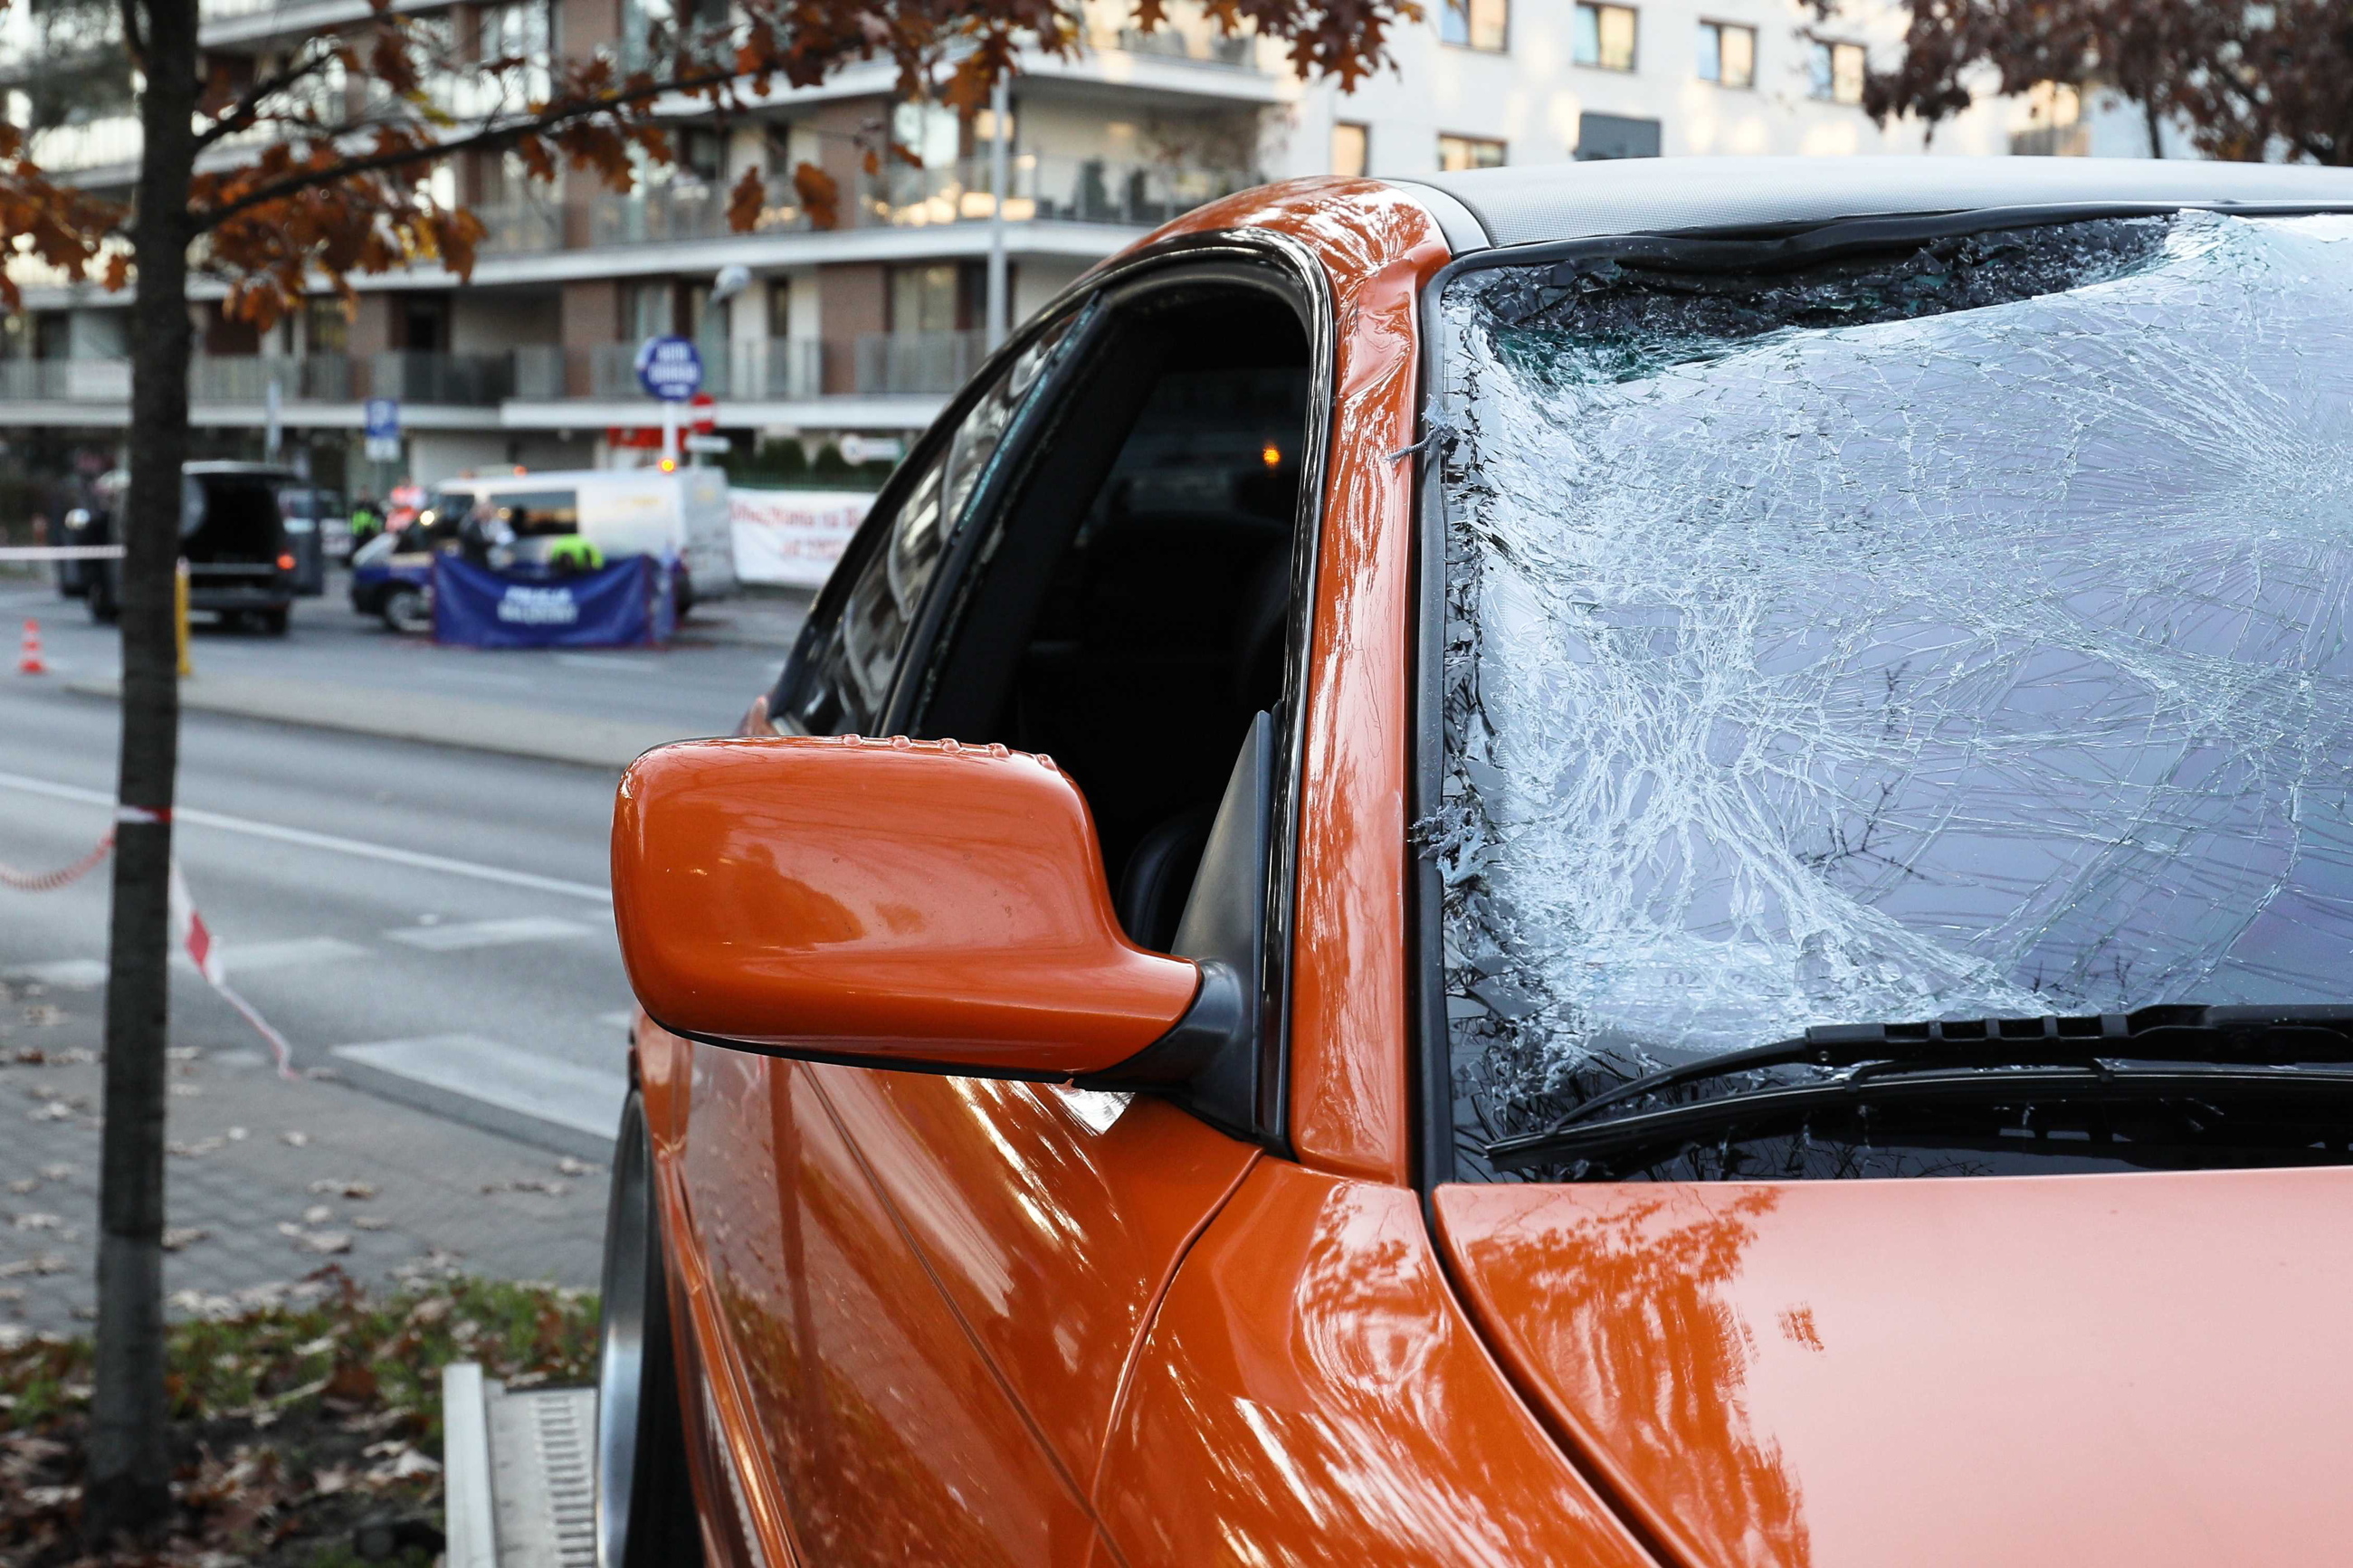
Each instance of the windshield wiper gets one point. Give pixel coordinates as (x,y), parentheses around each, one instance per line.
(2095,1056)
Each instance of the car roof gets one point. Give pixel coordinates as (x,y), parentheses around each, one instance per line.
(1530,205)
(223,466)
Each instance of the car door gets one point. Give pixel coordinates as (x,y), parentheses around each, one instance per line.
(937,1304)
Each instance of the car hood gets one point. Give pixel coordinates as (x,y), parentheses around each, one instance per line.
(2143,1369)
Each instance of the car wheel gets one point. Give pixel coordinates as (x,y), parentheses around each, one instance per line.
(645,1504)
(271,622)
(407,611)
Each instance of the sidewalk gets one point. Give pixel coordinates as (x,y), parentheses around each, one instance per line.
(547,734)
(264,1182)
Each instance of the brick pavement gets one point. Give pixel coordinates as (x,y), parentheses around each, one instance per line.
(266,1180)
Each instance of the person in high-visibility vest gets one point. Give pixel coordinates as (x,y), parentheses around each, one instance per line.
(570,553)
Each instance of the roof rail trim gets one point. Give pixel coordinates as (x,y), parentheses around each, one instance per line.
(1463,231)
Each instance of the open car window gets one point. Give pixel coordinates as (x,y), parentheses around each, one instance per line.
(1951,633)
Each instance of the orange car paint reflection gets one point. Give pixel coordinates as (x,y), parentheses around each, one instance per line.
(1348,1021)
(1945,1372)
(1312,1395)
(881,1428)
(917,901)
(1052,1240)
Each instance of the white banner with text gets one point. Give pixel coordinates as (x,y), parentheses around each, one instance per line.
(793,537)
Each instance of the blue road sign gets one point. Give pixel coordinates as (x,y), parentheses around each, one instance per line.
(384,419)
(669,368)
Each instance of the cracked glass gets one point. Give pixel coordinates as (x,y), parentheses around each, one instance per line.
(1948,633)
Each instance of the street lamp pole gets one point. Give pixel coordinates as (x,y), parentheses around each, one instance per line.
(1000,110)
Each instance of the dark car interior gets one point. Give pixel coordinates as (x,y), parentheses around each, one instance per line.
(1128,617)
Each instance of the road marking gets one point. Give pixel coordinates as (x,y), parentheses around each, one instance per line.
(488,933)
(83,974)
(487,1084)
(79,973)
(309,840)
(606,663)
(243,958)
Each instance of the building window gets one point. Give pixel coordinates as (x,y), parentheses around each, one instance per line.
(1456,153)
(1475,23)
(1727,54)
(926,299)
(780,307)
(1604,36)
(1351,150)
(649,311)
(1837,72)
(1615,136)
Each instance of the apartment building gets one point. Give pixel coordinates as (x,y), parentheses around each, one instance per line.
(865,324)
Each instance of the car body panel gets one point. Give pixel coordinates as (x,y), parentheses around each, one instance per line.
(1312,1393)
(1052,1237)
(1349,1014)
(1941,1372)
(879,1425)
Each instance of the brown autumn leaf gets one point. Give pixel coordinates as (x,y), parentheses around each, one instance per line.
(746,200)
(820,196)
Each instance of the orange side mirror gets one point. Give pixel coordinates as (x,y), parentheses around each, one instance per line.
(892,902)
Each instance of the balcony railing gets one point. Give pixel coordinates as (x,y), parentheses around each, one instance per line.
(1049,186)
(918,362)
(246,378)
(780,370)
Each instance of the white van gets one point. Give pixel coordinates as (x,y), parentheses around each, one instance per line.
(681,517)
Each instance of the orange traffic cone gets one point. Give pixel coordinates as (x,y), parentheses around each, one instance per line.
(29,657)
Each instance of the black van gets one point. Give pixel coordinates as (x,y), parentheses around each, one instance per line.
(242,566)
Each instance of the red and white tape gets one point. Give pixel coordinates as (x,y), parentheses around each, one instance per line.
(188,929)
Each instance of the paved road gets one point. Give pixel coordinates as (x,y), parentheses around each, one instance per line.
(443,910)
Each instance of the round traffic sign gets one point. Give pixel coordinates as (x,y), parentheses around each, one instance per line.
(669,368)
(702,413)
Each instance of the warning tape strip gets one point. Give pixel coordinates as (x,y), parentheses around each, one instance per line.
(188,926)
(60,552)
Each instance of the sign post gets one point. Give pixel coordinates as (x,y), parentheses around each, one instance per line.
(382,416)
(671,370)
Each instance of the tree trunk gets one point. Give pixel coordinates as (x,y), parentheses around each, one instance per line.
(2156,122)
(128,1489)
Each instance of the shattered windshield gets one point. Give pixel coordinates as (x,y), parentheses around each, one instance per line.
(1948,633)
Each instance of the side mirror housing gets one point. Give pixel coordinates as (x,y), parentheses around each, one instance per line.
(890,903)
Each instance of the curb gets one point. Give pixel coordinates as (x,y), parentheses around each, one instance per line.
(535,733)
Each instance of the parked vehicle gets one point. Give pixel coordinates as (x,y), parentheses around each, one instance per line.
(681,517)
(318,528)
(243,566)
(1572,868)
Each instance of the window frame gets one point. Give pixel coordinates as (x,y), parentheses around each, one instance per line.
(1429,1065)
(1720,28)
(1252,259)
(1501,147)
(1633,66)
(1468,10)
(1826,51)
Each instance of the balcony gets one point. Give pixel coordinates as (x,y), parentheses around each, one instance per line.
(1045,186)
(476,380)
(918,362)
(778,370)
(246,378)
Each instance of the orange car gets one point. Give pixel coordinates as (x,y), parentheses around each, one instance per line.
(1630,864)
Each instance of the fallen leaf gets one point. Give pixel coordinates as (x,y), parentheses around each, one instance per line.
(181,1235)
(45,1015)
(339,1187)
(56,1172)
(39,1222)
(186,1091)
(295,1140)
(568,1166)
(324,1241)
(196,1150)
(353,1382)
(370,1222)
(41,1263)
(25,1184)
(317,1214)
